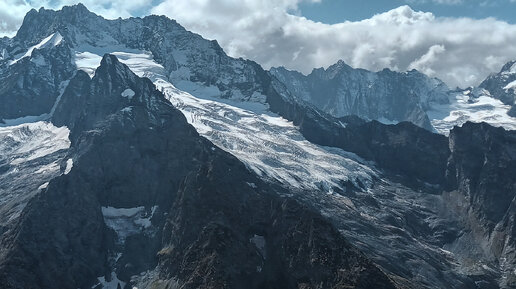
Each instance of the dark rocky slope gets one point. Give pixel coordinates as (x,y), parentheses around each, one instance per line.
(31,85)
(216,225)
(482,167)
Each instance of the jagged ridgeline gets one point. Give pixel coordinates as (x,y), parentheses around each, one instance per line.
(138,154)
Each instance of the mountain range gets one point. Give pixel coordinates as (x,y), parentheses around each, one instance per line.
(138,154)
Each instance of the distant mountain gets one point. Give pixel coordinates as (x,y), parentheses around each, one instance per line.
(386,95)
(503,86)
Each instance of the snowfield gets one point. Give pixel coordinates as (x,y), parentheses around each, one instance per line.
(463,108)
(30,154)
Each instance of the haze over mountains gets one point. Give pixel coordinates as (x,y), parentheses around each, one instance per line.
(138,154)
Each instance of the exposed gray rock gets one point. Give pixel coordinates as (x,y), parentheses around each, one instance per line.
(498,84)
(481,168)
(31,85)
(385,95)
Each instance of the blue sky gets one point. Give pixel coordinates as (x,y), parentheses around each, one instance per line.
(335,11)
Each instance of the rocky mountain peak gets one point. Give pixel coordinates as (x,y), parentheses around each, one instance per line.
(114,88)
(502,85)
(509,67)
(386,95)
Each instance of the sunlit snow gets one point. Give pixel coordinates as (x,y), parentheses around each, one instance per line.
(462,108)
(69,165)
(30,154)
(270,145)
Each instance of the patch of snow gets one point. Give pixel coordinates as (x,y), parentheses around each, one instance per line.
(30,141)
(44,168)
(260,243)
(512,70)
(69,166)
(43,186)
(129,93)
(145,222)
(252,185)
(87,62)
(114,282)
(127,221)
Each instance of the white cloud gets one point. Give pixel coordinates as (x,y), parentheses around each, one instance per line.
(461,51)
(425,62)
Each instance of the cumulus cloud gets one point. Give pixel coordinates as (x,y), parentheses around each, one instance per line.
(460,51)
(425,62)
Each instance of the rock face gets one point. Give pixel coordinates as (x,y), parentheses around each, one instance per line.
(482,167)
(512,111)
(385,95)
(502,85)
(32,84)
(205,221)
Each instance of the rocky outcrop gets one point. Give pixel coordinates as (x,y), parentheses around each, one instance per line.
(482,167)
(32,84)
(512,111)
(209,221)
(502,85)
(385,95)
